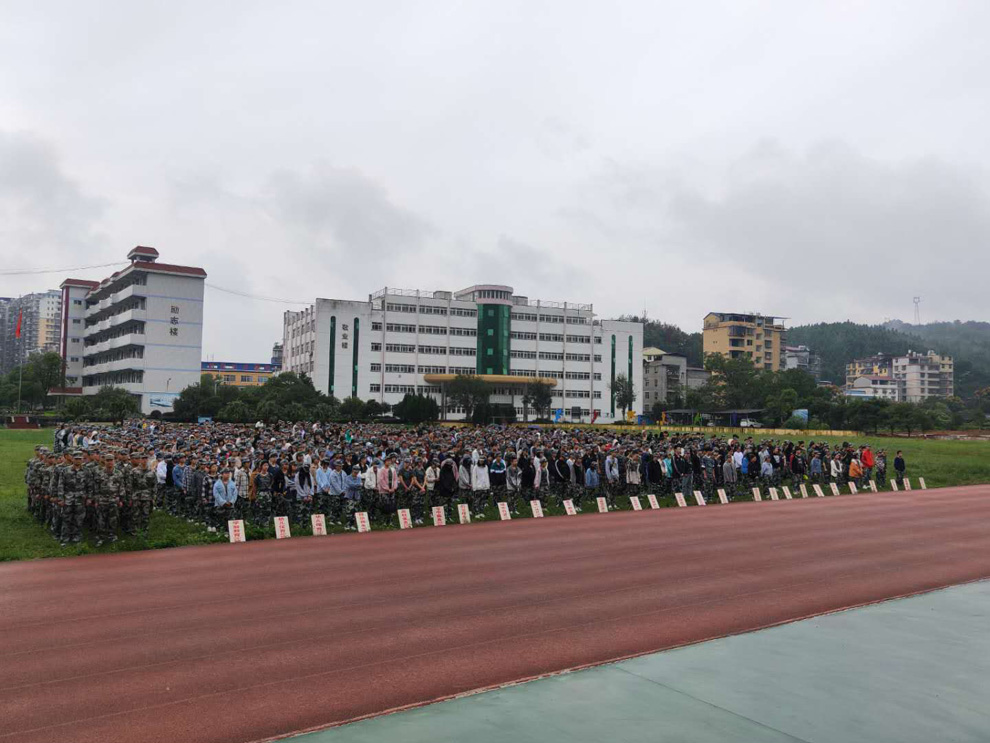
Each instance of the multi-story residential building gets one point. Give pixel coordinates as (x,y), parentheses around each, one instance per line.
(277,355)
(238,374)
(697,377)
(664,378)
(920,376)
(140,329)
(870,386)
(803,358)
(402,341)
(39,315)
(914,377)
(878,365)
(757,338)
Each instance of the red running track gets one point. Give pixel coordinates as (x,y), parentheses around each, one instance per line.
(251,641)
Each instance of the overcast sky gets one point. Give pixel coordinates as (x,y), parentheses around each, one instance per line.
(821,161)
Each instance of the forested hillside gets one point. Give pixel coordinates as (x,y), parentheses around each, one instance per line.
(837,343)
(670,338)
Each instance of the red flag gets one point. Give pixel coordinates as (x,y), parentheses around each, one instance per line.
(17,330)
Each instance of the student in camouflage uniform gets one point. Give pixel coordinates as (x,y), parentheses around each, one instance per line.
(142,487)
(261,511)
(107,501)
(72,499)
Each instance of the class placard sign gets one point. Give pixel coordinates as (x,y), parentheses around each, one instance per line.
(282,527)
(235,530)
(907,483)
(852,488)
(537,509)
(405,519)
(636,505)
(921,482)
(699,498)
(464,513)
(787,493)
(319,522)
(569,508)
(679,497)
(756,494)
(818,490)
(439,516)
(503,511)
(362,521)
(722,497)
(774,495)
(834,488)
(873,485)
(602,505)
(804,490)
(893,485)
(654,503)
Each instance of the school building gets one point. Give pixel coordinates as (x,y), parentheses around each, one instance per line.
(413,341)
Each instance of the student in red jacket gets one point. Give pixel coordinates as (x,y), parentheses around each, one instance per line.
(866,458)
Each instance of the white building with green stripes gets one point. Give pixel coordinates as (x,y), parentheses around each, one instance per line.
(410,341)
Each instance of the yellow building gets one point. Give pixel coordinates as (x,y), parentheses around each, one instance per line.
(240,375)
(870,366)
(759,338)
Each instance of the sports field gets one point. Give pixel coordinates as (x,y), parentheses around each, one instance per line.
(941,463)
(249,642)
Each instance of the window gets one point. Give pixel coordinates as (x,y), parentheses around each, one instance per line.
(376,346)
(229,377)
(375,388)
(579,339)
(581,357)
(427,309)
(523,354)
(464,331)
(399,369)
(77,302)
(73,359)
(458,312)
(432,370)
(75,340)
(400,307)
(551,356)
(524,316)
(75,321)
(247,378)
(433,329)
(551,337)
(462,351)
(517,336)
(397,328)
(552,318)
(399,348)
(376,326)
(376,367)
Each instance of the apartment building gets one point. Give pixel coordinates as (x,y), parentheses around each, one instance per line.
(803,358)
(665,377)
(140,329)
(920,376)
(239,374)
(757,338)
(38,314)
(878,365)
(872,386)
(413,341)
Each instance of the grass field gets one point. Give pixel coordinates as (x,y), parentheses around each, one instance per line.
(941,463)
(23,538)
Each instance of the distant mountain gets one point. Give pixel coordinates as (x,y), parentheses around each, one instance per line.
(838,343)
(670,338)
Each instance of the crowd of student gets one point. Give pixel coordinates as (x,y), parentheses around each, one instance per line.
(208,473)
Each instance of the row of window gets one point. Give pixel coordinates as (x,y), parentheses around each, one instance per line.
(424,329)
(559,319)
(429,309)
(437,350)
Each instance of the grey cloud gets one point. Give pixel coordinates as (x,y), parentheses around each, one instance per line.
(44,214)
(528,269)
(825,234)
(345,216)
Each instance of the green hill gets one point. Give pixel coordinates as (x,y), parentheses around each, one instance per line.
(838,343)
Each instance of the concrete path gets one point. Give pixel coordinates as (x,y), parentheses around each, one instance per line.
(914,669)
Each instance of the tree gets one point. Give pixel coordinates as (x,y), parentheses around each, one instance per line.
(115,403)
(352,409)
(539,397)
(416,409)
(781,405)
(235,412)
(46,369)
(623,391)
(467,391)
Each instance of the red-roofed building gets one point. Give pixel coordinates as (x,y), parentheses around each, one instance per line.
(141,329)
